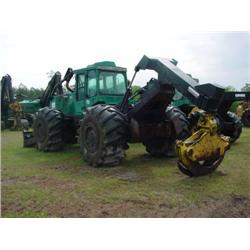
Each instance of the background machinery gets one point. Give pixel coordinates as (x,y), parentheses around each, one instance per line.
(11,112)
(243,111)
(231,123)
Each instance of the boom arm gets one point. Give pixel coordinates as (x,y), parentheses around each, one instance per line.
(207,96)
(202,152)
(55,85)
(6,89)
(7,96)
(50,90)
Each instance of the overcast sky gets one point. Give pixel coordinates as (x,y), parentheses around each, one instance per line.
(43,35)
(221,57)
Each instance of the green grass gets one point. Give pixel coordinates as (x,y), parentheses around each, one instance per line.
(36,184)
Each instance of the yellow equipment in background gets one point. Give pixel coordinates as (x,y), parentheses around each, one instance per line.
(16,109)
(243,111)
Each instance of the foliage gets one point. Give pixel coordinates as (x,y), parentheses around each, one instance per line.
(136,88)
(246,87)
(234,106)
(24,92)
(230,88)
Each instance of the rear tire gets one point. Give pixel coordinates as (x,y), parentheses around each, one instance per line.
(246,118)
(103,136)
(179,125)
(48,130)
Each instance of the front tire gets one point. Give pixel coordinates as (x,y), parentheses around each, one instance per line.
(103,136)
(48,130)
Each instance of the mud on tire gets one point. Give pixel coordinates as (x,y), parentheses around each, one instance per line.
(103,136)
(48,130)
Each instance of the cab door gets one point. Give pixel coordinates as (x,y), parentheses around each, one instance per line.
(80,93)
(91,90)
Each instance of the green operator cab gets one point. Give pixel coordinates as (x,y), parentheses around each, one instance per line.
(101,82)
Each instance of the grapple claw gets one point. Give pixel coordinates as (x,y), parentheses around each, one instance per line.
(199,169)
(204,150)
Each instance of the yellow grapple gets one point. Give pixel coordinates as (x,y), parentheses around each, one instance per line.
(203,151)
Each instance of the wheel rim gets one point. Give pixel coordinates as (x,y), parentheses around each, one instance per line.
(91,140)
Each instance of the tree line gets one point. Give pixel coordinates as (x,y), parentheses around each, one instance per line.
(245,88)
(25,92)
(22,91)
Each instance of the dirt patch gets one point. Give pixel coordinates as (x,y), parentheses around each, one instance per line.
(43,181)
(13,180)
(62,167)
(76,205)
(54,184)
(129,176)
(232,206)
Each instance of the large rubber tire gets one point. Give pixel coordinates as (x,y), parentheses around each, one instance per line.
(103,136)
(179,123)
(236,132)
(165,147)
(246,118)
(48,130)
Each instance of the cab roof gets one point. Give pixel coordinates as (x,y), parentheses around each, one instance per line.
(104,65)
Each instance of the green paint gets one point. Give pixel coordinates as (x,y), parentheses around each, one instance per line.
(180,100)
(101,82)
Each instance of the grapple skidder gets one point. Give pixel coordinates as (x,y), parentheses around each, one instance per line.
(99,113)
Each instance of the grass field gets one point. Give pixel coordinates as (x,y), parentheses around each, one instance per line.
(36,184)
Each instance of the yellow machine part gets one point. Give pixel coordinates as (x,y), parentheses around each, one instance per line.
(204,150)
(15,107)
(17,111)
(241,108)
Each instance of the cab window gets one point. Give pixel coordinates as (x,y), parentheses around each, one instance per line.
(120,83)
(112,83)
(92,86)
(81,84)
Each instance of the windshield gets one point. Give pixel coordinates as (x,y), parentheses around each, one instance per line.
(112,83)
